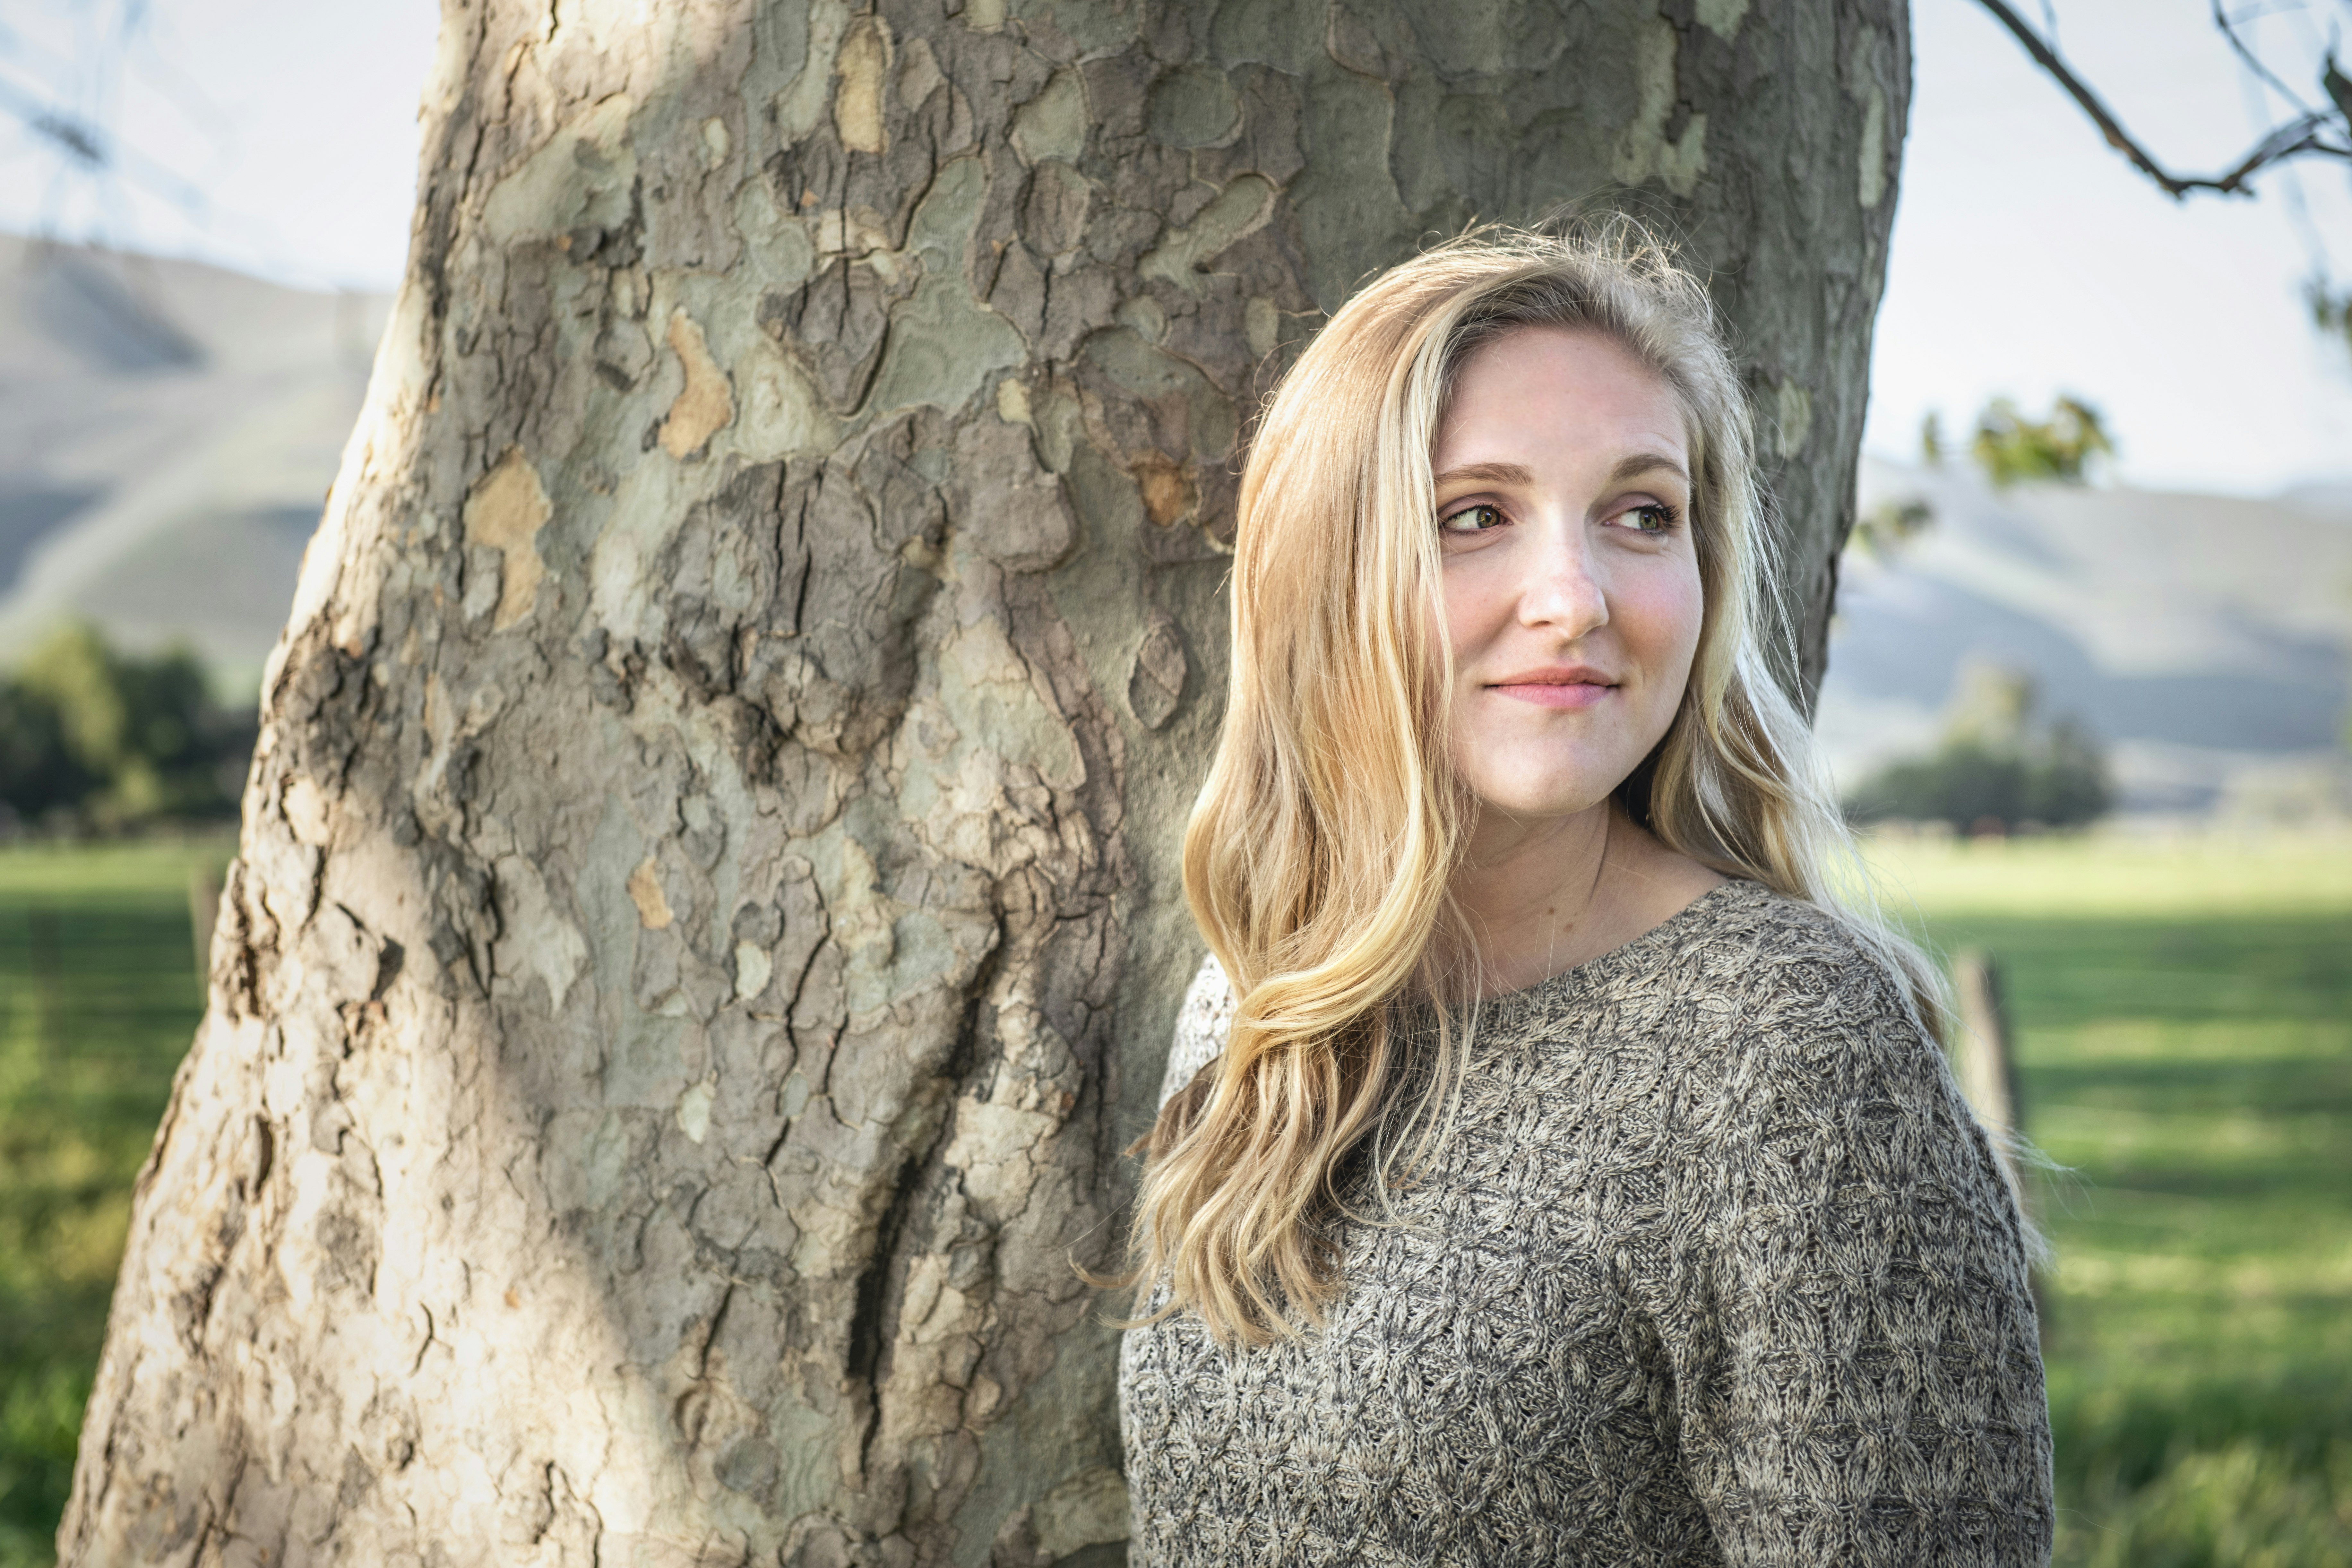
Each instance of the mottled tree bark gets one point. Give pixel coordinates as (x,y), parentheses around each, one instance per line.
(708,917)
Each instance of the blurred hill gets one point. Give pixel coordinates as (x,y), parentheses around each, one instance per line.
(2207,639)
(167,432)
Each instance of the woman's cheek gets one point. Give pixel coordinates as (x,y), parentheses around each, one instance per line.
(1477,590)
(1660,616)
(1661,612)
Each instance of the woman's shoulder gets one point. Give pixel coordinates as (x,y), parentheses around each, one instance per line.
(1748,916)
(1748,985)
(1749,943)
(1736,944)
(1801,1009)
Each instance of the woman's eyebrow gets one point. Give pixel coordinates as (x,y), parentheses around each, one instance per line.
(1486,473)
(1637,464)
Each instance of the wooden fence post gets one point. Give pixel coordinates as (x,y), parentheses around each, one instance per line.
(1982,1055)
(1985,1061)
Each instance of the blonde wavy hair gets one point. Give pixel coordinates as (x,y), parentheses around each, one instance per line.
(1318,856)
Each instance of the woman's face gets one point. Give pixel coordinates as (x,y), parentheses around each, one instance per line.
(1572,593)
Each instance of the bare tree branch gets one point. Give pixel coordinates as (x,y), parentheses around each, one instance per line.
(2297,137)
(2228,26)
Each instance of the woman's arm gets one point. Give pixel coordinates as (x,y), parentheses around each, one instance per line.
(1862,1382)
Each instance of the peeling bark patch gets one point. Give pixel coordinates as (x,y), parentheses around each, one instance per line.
(535,939)
(646,893)
(867,1336)
(1011,402)
(694,1111)
(1011,509)
(580,175)
(753,969)
(1054,123)
(265,1152)
(1642,152)
(707,406)
(504,511)
(1087,1510)
(1722,18)
(346,1250)
(1793,406)
(1169,493)
(1155,685)
(1872,184)
(306,811)
(1238,211)
(864,62)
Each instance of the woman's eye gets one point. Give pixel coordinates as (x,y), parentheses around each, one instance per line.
(1654,517)
(1472,518)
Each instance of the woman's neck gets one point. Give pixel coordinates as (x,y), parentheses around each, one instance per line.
(1546,895)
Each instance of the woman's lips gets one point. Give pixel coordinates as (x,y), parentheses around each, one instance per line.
(1555,694)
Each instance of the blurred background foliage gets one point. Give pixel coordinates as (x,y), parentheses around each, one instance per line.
(1998,768)
(1882,531)
(94,740)
(2010,447)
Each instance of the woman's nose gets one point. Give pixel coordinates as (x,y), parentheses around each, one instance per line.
(1563,590)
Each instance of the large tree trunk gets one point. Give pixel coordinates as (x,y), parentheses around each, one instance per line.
(708,917)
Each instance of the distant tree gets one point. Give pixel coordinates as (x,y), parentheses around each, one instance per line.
(93,738)
(2331,313)
(2010,447)
(1995,767)
(38,773)
(2067,783)
(1992,706)
(1890,524)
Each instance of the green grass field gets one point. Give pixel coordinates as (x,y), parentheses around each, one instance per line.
(2185,1037)
(99,997)
(2184,1021)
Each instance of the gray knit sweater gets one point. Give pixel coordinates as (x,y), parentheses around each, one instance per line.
(1714,1268)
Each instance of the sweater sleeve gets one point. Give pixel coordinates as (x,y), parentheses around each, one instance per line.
(1858,1377)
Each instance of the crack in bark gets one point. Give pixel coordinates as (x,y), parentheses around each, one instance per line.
(869,1307)
(711,1334)
(418,1364)
(792,1030)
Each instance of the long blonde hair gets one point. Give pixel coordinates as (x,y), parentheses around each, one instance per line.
(1318,856)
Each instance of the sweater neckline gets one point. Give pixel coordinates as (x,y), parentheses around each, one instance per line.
(1597,971)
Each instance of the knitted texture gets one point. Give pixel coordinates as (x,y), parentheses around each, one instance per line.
(1715,1267)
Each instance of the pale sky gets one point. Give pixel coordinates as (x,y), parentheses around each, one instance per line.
(2030,258)
(279,137)
(295,122)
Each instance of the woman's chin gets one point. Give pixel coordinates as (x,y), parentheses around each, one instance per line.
(1538,782)
(1525,805)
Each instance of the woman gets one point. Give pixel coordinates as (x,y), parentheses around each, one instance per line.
(1568,1176)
